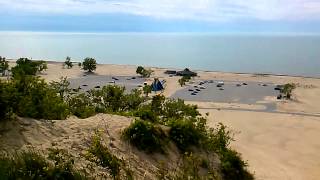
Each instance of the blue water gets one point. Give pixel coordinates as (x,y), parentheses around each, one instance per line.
(280,54)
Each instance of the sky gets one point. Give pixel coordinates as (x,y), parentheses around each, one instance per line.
(222,16)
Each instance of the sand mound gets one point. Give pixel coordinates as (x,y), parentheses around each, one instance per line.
(74,135)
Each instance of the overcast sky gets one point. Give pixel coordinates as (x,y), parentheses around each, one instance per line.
(302,16)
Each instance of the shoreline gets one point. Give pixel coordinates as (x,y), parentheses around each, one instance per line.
(175,68)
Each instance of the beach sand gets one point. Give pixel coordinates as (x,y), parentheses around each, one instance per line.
(283,144)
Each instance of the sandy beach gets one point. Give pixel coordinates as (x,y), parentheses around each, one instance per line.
(278,143)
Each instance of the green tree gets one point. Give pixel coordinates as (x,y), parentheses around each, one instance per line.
(139,70)
(287,90)
(144,72)
(68,62)
(3,65)
(147,89)
(27,67)
(89,64)
(61,87)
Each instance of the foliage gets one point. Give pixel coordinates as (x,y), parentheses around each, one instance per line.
(233,167)
(81,106)
(61,87)
(89,64)
(101,155)
(68,62)
(287,90)
(145,113)
(157,104)
(182,81)
(145,136)
(147,89)
(33,165)
(187,132)
(218,139)
(32,97)
(27,67)
(178,109)
(3,64)
(144,72)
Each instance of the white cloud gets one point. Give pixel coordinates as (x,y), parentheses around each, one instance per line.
(209,10)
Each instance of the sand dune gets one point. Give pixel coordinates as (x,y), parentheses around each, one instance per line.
(277,146)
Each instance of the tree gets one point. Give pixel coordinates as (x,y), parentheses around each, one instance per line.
(89,64)
(27,67)
(287,90)
(61,87)
(183,80)
(139,70)
(3,65)
(68,62)
(144,72)
(147,89)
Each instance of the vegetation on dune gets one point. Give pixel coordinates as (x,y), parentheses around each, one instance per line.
(89,64)
(68,63)
(159,121)
(287,90)
(144,72)
(147,90)
(27,67)
(33,165)
(145,136)
(3,65)
(182,81)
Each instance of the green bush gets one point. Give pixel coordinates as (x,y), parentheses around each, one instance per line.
(145,136)
(157,104)
(287,90)
(89,64)
(61,87)
(177,109)
(81,106)
(26,67)
(145,113)
(186,133)
(33,165)
(101,155)
(182,81)
(218,139)
(233,167)
(68,62)
(31,97)
(144,72)
(3,65)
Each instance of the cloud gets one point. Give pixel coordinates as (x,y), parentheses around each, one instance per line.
(203,10)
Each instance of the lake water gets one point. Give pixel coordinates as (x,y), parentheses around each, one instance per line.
(287,54)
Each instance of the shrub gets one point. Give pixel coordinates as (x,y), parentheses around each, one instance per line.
(145,136)
(144,72)
(157,104)
(3,65)
(68,62)
(186,133)
(182,81)
(101,155)
(147,89)
(89,64)
(233,167)
(218,139)
(33,165)
(81,106)
(61,87)
(287,90)
(31,97)
(27,67)
(133,100)
(177,109)
(145,113)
